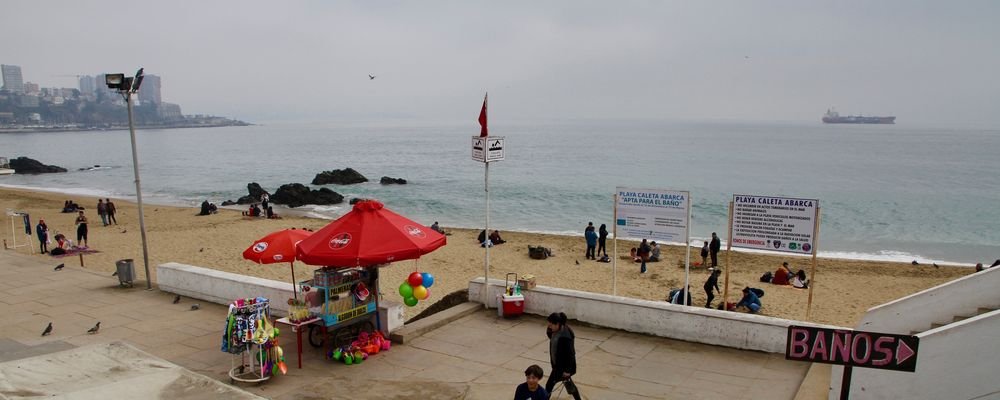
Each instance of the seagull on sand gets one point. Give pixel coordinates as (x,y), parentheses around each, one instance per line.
(371,77)
(48,330)
(177,299)
(59,267)
(94,329)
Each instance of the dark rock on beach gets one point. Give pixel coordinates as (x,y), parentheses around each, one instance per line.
(344,176)
(354,200)
(228,203)
(254,197)
(389,181)
(25,165)
(297,194)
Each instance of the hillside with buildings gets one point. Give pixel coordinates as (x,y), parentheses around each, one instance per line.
(91,105)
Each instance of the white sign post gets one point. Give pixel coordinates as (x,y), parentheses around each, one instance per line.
(656,214)
(783,224)
(486,149)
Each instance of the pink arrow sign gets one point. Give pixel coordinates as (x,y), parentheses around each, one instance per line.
(903,352)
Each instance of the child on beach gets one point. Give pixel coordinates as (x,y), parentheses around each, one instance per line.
(81,229)
(799,281)
(749,300)
(530,389)
(712,282)
(704,254)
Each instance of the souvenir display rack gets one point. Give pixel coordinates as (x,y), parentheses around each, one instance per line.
(247,336)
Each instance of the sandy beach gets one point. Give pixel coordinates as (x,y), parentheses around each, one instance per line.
(843,289)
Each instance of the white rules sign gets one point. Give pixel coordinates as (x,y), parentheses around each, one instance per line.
(774,223)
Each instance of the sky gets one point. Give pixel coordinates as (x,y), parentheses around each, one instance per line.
(934,62)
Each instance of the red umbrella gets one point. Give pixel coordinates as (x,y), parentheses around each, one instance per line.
(369,234)
(277,247)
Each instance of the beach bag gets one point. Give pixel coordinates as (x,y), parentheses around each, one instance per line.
(538,253)
(766,277)
(570,386)
(605,259)
(57,251)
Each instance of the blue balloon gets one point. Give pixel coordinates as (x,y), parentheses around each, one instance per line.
(428,279)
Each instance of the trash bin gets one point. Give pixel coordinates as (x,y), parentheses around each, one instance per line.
(126,271)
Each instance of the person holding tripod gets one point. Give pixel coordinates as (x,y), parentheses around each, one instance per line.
(562,354)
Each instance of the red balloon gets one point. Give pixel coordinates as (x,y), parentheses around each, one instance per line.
(415,279)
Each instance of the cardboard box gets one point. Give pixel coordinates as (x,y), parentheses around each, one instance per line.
(526,282)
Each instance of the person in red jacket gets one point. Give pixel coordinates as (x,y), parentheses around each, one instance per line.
(782,275)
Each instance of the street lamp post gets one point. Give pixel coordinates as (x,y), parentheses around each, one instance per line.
(127,86)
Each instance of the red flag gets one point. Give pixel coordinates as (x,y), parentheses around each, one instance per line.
(482,119)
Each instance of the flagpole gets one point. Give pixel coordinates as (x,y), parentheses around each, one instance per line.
(486,266)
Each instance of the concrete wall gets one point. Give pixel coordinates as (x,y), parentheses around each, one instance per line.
(916,312)
(692,324)
(223,287)
(956,361)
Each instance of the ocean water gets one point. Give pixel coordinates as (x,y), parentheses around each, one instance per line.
(887,192)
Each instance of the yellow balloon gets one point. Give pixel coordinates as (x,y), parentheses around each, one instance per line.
(420,292)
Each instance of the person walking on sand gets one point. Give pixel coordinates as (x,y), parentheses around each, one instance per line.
(712,282)
(81,229)
(43,236)
(111,211)
(602,240)
(591,236)
(704,255)
(562,354)
(714,249)
(102,210)
(643,255)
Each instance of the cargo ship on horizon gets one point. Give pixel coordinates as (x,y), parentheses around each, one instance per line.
(833,117)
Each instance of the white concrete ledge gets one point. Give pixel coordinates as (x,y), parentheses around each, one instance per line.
(692,324)
(223,287)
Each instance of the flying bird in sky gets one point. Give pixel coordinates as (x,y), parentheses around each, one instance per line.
(370,76)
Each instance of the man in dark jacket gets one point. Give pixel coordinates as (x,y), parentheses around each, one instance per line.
(712,283)
(714,249)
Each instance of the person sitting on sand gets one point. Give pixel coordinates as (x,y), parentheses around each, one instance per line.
(255,210)
(205,208)
(271,214)
(782,275)
(676,296)
(749,300)
(437,228)
(495,238)
(799,280)
(483,240)
(654,251)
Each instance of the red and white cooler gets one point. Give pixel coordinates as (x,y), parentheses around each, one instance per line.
(510,306)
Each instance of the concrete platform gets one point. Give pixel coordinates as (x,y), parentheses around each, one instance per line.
(477,356)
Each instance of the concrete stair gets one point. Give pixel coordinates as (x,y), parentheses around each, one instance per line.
(957,318)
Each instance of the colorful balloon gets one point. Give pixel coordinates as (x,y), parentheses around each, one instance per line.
(420,292)
(415,279)
(410,301)
(428,279)
(406,290)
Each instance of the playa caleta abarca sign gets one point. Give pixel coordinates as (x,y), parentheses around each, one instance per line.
(774,223)
(487,149)
(653,214)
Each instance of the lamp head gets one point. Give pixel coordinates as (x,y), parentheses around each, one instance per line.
(114,81)
(138,80)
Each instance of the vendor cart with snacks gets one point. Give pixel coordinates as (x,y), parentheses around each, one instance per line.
(345,305)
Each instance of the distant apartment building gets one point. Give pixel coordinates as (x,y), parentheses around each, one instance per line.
(88,84)
(169,111)
(150,90)
(12,79)
(30,87)
(28,101)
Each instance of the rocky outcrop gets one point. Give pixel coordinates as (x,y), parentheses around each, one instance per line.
(297,194)
(345,176)
(389,181)
(25,165)
(254,197)
(228,203)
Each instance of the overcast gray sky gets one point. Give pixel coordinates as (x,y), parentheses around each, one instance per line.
(923,61)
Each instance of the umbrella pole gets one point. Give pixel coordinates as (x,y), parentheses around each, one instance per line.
(295,293)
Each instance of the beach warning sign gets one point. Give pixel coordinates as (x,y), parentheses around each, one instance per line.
(488,149)
(774,223)
(653,214)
